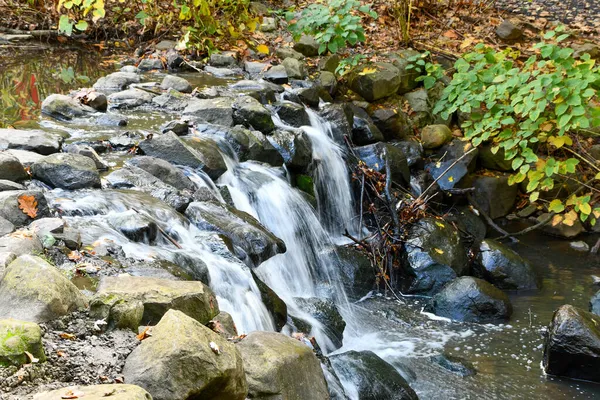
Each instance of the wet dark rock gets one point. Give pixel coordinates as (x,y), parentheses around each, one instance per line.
(277,74)
(407,76)
(493,195)
(412,149)
(210,154)
(148,64)
(176,83)
(470,225)
(294,69)
(126,302)
(130,98)
(131,177)
(9,206)
(172,100)
(328,81)
(226,59)
(364,131)
(178,340)
(504,268)
(93,99)
(311,96)
(295,148)
(595,303)
(64,107)
(340,117)
(471,299)
(11,168)
(496,162)
(288,52)
(179,127)
(10,185)
(278,366)
(172,149)
(31,140)
(33,290)
(163,170)
(274,304)
(135,226)
(307,45)
(453,156)
(329,63)
(357,273)
(71,237)
(111,120)
(455,365)
(508,31)
(391,121)
(326,312)
(435,136)
(67,171)
(572,345)
(292,114)
(175,61)
(374,378)
(249,112)
(88,152)
(378,155)
(434,256)
(126,141)
(116,81)
(213,111)
(241,228)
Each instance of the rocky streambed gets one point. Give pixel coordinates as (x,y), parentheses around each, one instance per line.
(178,235)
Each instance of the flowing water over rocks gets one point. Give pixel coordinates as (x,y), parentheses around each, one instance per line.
(163,188)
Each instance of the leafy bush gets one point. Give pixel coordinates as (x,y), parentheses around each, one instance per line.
(530,110)
(333,25)
(429,73)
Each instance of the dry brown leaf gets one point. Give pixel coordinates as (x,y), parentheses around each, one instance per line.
(75,256)
(28,204)
(144,334)
(68,336)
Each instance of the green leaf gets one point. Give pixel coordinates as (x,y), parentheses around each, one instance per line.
(517,162)
(65,25)
(556,206)
(571,163)
(333,47)
(533,197)
(81,25)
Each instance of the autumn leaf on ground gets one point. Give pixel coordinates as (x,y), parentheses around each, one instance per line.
(75,256)
(368,71)
(144,334)
(439,251)
(70,394)
(263,48)
(28,204)
(68,336)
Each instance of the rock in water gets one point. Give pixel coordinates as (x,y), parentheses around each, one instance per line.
(177,83)
(183,359)
(31,140)
(279,367)
(324,311)
(67,171)
(64,107)
(472,300)
(372,377)
(9,206)
(131,301)
(17,338)
(572,346)
(249,112)
(33,290)
(97,392)
(595,303)
(11,168)
(504,268)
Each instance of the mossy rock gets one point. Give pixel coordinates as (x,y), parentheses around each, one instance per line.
(17,338)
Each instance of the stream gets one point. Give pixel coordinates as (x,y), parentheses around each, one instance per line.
(506,356)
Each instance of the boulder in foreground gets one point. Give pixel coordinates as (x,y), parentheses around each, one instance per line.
(96,392)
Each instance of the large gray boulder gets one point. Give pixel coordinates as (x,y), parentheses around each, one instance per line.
(67,171)
(97,392)
(116,81)
(434,256)
(244,231)
(373,378)
(213,111)
(10,207)
(292,114)
(504,268)
(177,83)
(171,148)
(130,98)
(279,367)
(11,168)
(32,140)
(472,300)
(65,107)
(17,338)
(295,69)
(572,345)
(21,242)
(131,301)
(163,170)
(33,290)
(25,157)
(375,81)
(249,112)
(184,360)
(307,45)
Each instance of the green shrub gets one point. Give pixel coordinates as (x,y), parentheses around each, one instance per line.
(333,25)
(531,110)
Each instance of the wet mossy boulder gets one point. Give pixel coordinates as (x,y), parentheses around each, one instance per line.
(326,312)
(471,299)
(17,338)
(292,114)
(390,119)
(375,81)
(372,377)
(357,273)
(244,231)
(504,268)
(279,367)
(470,225)
(130,301)
(184,360)
(434,256)
(274,304)
(33,290)
(572,344)
(364,130)
(249,112)
(97,392)
(67,171)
